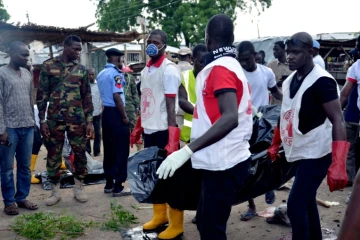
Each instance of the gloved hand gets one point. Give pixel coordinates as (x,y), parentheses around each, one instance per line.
(173,141)
(173,162)
(135,136)
(273,150)
(336,176)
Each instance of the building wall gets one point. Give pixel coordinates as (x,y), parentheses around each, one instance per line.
(97,59)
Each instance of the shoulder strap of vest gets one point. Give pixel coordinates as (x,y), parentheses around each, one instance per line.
(186,79)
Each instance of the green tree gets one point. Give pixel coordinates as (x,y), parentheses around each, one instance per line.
(180,19)
(118,15)
(4,15)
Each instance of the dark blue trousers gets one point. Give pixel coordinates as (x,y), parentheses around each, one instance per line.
(116,142)
(302,208)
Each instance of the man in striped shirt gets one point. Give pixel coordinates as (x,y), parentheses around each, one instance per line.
(16,129)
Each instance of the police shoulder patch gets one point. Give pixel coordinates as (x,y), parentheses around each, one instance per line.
(117,80)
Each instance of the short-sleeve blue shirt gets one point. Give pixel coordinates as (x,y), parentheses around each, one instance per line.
(110,80)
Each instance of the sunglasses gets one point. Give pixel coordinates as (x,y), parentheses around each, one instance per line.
(296,42)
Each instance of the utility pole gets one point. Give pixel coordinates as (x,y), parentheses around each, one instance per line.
(143,22)
(27,16)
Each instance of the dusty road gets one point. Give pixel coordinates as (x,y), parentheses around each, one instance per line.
(99,204)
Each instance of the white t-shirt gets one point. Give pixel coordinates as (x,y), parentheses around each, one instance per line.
(353,75)
(318,60)
(171,83)
(260,81)
(37,119)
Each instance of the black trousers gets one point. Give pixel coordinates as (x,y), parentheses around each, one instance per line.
(302,208)
(158,139)
(116,141)
(357,150)
(97,140)
(37,141)
(218,192)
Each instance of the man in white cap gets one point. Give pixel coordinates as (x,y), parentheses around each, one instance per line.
(185,59)
(184,65)
(317,58)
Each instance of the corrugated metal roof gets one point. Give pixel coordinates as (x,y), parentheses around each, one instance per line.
(130,47)
(266,44)
(49,34)
(345,36)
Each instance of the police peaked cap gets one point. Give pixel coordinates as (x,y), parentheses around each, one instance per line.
(114,52)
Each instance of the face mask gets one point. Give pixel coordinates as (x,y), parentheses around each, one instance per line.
(152,50)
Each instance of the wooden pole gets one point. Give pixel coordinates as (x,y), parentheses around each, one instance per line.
(329,52)
(125,54)
(144,31)
(51,51)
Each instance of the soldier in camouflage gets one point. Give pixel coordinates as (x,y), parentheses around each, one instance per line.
(65,85)
(132,106)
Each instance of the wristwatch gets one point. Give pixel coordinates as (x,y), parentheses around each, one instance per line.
(43,121)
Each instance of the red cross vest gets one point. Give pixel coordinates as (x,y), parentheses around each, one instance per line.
(297,146)
(234,147)
(153,103)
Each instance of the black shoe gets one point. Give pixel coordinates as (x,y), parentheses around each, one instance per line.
(118,187)
(109,186)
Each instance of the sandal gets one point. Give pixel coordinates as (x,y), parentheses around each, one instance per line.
(247,216)
(270,197)
(28,205)
(11,209)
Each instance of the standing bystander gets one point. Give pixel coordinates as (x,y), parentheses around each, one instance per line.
(317,58)
(64,83)
(279,66)
(16,129)
(115,123)
(132,106)
(184,65)
(96,114)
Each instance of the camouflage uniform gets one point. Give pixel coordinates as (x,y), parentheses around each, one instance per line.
(70,109)
(132,100)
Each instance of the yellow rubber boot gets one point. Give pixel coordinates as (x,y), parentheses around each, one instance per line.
(63,166)
(159,218)
(32,166)
(176,226)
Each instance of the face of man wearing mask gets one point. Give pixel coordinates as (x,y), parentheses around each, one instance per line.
(155,46)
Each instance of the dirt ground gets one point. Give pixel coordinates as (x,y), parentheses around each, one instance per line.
(99,204)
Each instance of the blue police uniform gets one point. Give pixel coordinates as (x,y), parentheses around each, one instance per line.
(116,134)
(111,80)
